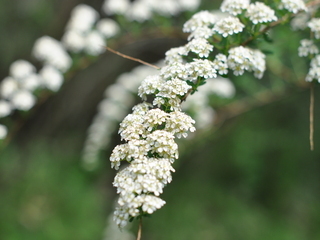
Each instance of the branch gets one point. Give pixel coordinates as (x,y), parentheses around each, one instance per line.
(131,58)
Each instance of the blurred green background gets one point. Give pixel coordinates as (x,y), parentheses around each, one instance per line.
(252,177)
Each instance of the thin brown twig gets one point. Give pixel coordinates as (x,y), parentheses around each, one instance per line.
(131,58)
(140,229)
(311,116)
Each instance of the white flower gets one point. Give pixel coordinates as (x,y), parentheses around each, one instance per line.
(176,70)
(165,7)
(73,40)
(51,78)
(200,46)
(116,93)
(258,63)
(174,55)
(220,64)
(112,110)
(150,85)
(179,123)
(202,68)
(314,71)
(293,5)
(173,88)
(121,216)
(152,203)
(201,32)
(116,6)
(314,25)
(139,11)
(307,47)
(82,18)
(31,82)
(162,143)
(108,27)
(204,117)
(23,100)
(154,118)
(3,131)
(200,19)
(119,153)
(20,69)
(234,7)
(222,87)
(8,86)
(241,59)
(228,26)
(94,43)
(131,128)
(52,52)
(258,12)
(189,5)
(299,22)
(5,108)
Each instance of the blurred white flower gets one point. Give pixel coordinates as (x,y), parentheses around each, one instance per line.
(189,5)
(299,22)
(21,69)
(3,131)
(204,117)
(108,27)
(23,100)
(82,18)
(139,11)
(8,86)
(223,87)
(51,78)
(31,82)
(116,6)
(314,25)
(52,52)
(117,93)
(166,7)
(73,41)
(5,108)
(95,43)
(112,110)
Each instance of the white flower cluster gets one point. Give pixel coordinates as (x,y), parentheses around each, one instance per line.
(243,58)
(17,90)
(307,47)
(52,52)
(150,149)
(314,25)
(200,19)
(234,7)
(314,71)
(83,35)
(142,10)
(258,12)
(299,22)
(293,6)
(228,26)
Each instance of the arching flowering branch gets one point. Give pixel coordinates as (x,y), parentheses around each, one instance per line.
(217,45)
